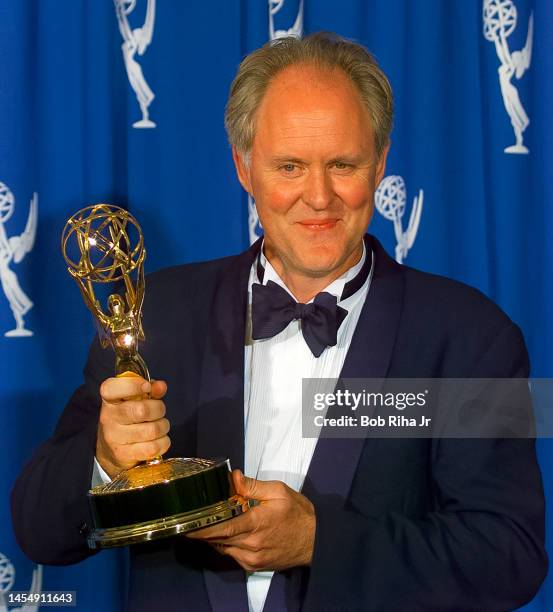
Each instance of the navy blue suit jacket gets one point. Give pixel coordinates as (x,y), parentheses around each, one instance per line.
(402,524)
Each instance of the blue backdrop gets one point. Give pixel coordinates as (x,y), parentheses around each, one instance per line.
(471,79)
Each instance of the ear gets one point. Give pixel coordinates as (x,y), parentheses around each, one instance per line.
(381,164)
(242,170)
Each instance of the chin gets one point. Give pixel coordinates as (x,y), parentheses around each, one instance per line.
(321,262)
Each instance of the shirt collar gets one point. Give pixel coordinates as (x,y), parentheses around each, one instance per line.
(336,287)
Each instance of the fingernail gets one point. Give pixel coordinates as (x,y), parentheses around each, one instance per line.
(146,387)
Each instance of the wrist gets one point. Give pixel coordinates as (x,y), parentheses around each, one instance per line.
(109,467)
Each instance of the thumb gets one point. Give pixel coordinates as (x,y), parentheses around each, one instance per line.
(252,488)
(243,485)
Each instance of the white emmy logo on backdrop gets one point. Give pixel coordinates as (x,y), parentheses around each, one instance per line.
(7,580)
(390,199)
(296,30)
(500,19)
(14,250)
(137,41)
(254,225)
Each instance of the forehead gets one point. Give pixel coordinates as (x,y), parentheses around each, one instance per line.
(304,104)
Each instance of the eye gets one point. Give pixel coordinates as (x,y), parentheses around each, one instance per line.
(342,167)
(290,170)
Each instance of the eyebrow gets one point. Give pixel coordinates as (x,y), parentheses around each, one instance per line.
(287,160)
(348,159)
(351,159)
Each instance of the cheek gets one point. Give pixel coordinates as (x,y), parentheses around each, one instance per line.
(356,195)
(277,196)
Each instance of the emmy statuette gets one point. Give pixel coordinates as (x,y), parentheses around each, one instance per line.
(104,244)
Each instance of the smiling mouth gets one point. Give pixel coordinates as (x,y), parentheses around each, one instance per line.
(319,224)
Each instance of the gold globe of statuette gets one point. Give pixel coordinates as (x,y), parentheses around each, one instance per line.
(103,244)
(104,238)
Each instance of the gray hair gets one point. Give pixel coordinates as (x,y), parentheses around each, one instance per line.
(322,49)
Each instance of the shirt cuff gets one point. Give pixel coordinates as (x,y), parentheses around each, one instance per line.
(99,475)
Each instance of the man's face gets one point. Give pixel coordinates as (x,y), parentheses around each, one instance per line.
(313,171)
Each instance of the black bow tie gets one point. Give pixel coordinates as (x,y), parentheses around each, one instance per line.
(273,308)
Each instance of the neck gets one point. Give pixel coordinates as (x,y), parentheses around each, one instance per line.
(305,287)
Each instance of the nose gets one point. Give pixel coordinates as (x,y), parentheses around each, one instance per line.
(317,189)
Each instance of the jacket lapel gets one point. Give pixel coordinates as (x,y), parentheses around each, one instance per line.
(220,425)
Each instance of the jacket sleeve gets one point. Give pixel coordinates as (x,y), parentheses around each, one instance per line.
(481,547)
(49,499)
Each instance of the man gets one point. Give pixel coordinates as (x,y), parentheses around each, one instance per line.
(362,524)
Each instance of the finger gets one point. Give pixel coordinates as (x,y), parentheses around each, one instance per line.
(248,560)
(259,489)
(244,541)
(144,451)
(220,548)
(250,536)
(239,525)
(139,432)
(159,389)
(234,552)
(115,390)
(140,411)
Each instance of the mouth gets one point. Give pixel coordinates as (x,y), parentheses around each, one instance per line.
(318,224)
